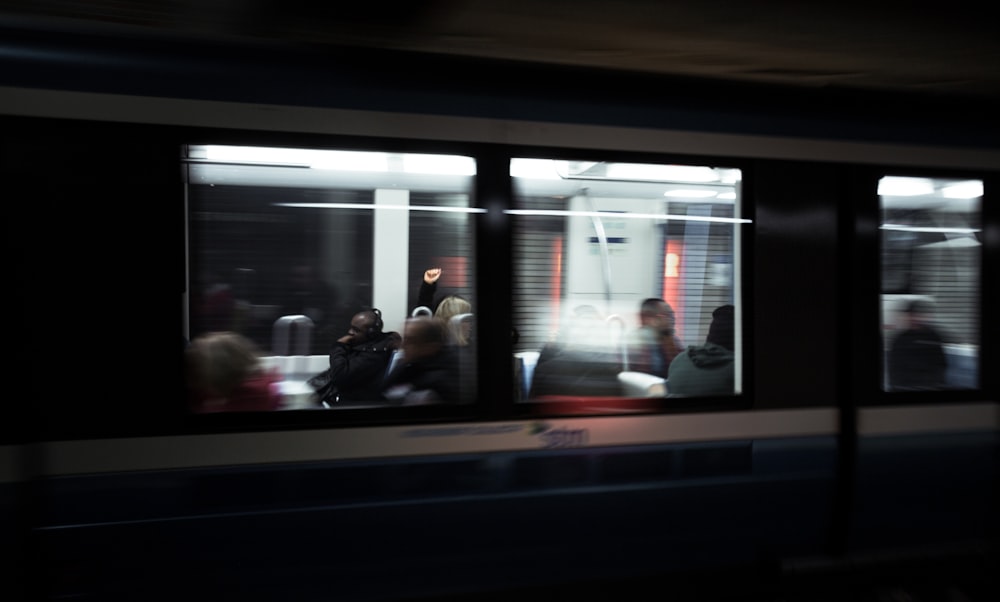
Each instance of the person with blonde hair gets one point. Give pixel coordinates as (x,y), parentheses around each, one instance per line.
(224,374)
(446,308)
(451,306)
(454,314)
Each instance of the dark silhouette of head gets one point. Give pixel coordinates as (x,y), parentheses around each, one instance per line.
(423,337)
(657,314)
(366,325)
(722,331)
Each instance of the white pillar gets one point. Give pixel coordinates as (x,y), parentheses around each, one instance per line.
(391,257)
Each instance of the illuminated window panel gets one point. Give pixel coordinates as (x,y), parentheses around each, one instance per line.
(931,249)
(278,234)
(618,269)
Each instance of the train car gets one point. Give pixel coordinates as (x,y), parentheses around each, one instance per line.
(160,192)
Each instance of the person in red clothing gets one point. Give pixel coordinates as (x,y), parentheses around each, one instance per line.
(224,374)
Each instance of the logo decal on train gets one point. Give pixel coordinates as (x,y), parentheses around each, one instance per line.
(558,436)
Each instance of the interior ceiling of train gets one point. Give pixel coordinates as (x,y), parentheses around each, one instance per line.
(914,47)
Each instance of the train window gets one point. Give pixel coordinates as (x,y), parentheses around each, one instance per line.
(619,268)
(931,250)
(288,246)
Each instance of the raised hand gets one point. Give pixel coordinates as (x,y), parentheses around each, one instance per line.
(431,276)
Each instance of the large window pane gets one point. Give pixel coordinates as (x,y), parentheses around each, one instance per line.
(288,245)
(931,249)
(618,269)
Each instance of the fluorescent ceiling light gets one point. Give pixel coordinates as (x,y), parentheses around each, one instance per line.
(350,161)
(616,215)
(548,169)
(572,169)
(254,154)
(730,176)
(337,160)
(299,157)
(537,169)
(449,165)
(899,186)
(726,196)
(661,173)
(969,189)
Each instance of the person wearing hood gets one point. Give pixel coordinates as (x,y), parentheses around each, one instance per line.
(707,369)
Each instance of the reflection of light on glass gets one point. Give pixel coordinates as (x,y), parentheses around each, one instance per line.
(901,186)
(609,214)
(390,207)
(968,189)
(338,160)
(905,228)
(690,193)
(318,159)
(451,165)
(672,263)
(726,196)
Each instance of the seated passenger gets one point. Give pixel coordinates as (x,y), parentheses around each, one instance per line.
(358,361)
(581,361)
(654,345)
(707,369)
(428,371)
(916,357)
(455,312)
(224,374)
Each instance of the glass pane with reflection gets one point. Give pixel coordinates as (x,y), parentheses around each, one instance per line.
(931,255)
(627,280)
(294,248)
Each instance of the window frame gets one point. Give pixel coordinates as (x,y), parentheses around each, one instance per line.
(493,191)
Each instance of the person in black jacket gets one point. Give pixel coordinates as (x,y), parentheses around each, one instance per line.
(429,369)
(358,361)
(581,361)
(916,358)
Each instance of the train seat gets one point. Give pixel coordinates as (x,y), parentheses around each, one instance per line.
(641,384)
(291,333)
(396,356)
